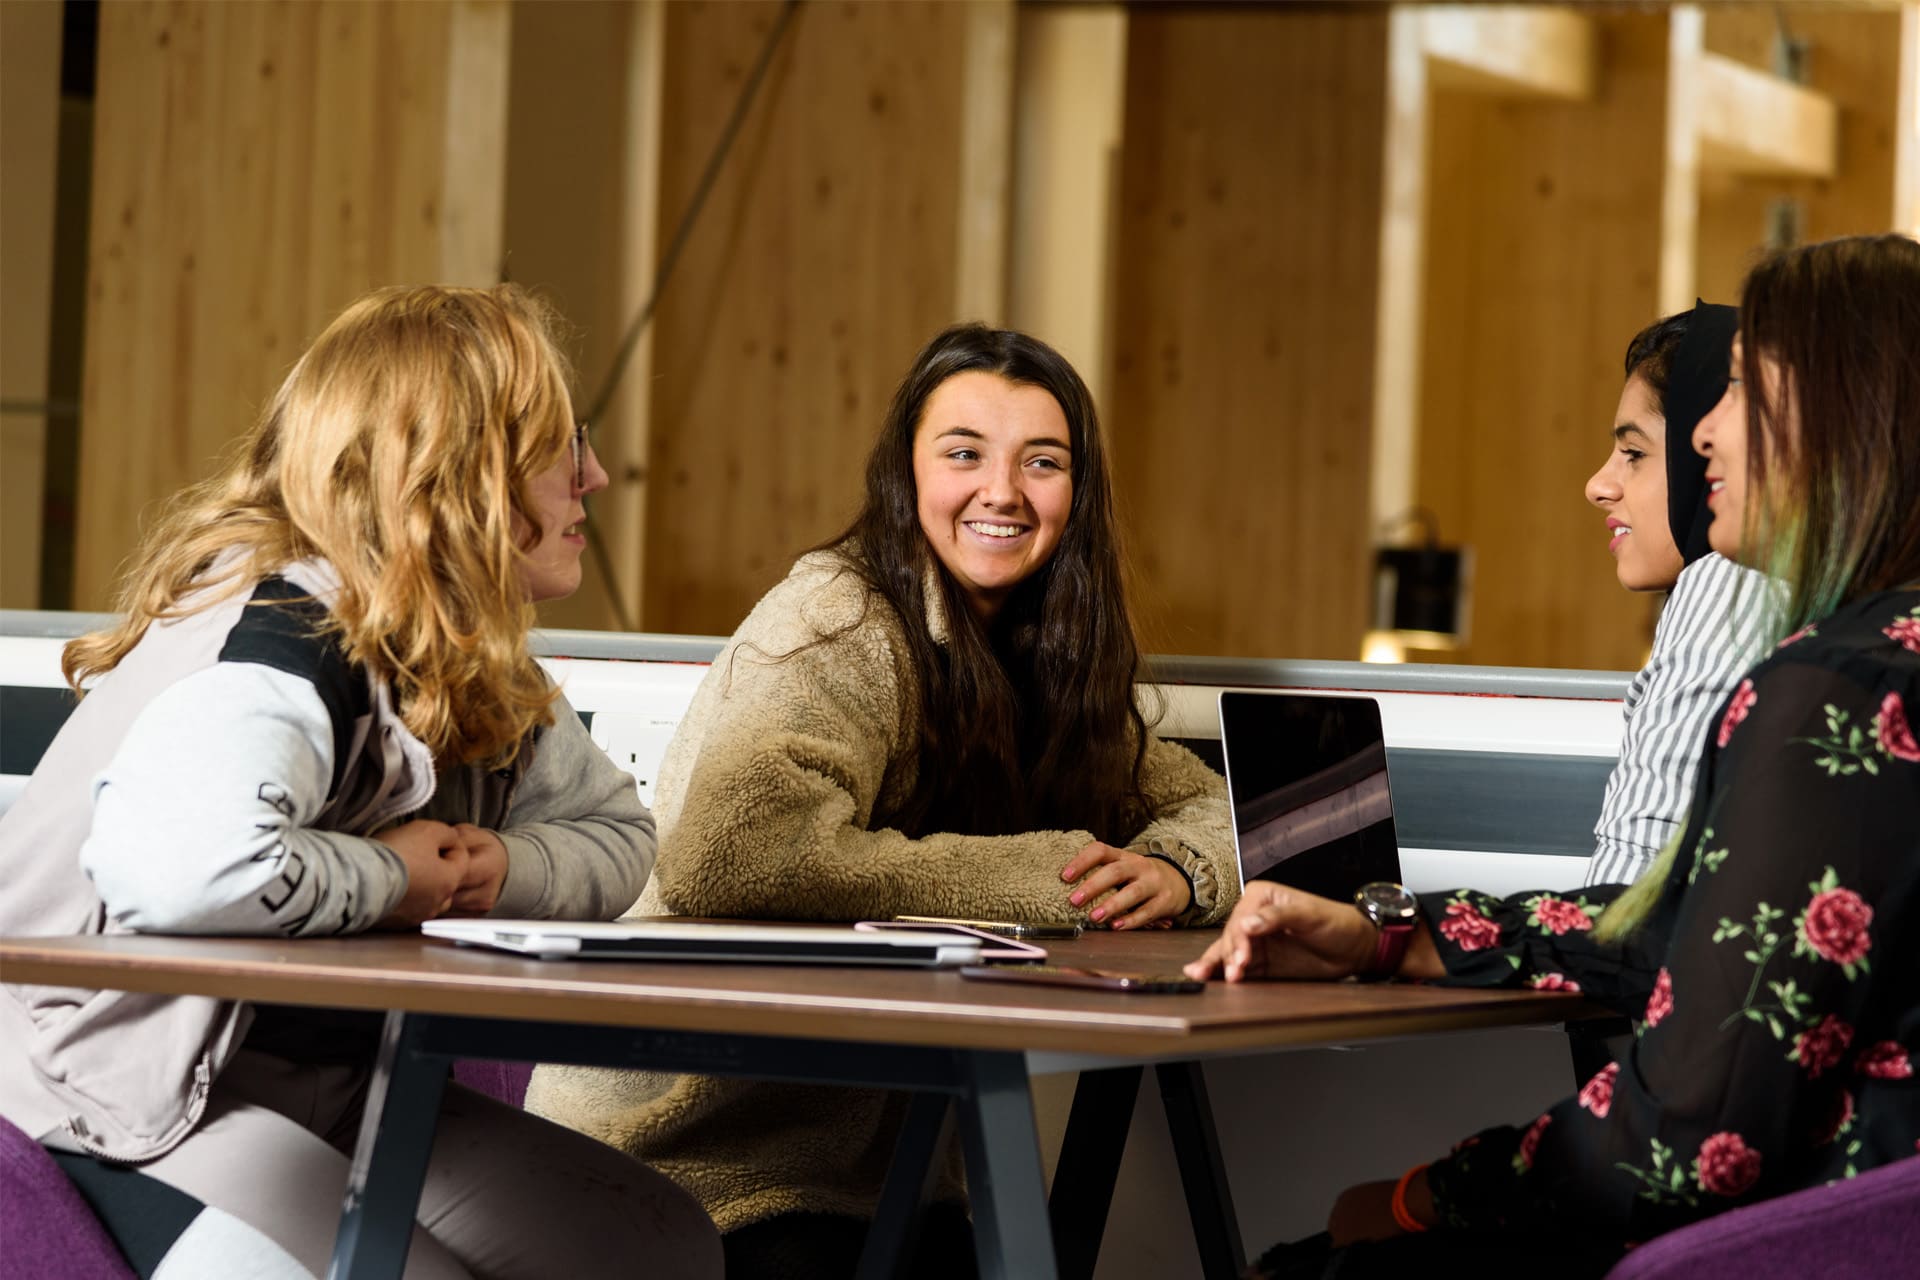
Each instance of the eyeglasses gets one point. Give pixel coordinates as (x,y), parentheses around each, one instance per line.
(580,445)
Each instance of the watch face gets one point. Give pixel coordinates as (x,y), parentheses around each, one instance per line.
(1386,902)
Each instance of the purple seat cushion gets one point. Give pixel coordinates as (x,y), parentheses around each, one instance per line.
(1865,1228)
(506,1081)
(47,1232)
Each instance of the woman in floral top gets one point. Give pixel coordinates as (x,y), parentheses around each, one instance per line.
(1771,958)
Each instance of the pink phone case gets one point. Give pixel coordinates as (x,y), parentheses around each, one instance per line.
(993,946)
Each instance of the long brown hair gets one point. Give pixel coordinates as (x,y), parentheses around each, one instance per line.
(1841,320)
(1030,722)
(399,450)
(1833,505)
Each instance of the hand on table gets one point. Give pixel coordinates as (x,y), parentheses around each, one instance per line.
(1140,890)
(1277,932)
(436,860)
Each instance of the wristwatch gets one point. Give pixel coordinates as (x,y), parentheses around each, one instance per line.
(1393,912)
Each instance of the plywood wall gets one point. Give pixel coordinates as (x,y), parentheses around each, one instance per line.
(823,262)
(257,166)
(1854,58)
(30,105)
(1543,261)
(1244,319)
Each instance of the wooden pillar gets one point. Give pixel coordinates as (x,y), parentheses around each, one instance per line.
(1070,85)
(257,166)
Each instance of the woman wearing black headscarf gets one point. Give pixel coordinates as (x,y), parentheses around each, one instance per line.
(1653,491)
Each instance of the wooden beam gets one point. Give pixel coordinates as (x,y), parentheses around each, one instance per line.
(1069,94)
(1680,187)
(1521,50)
(1401,310)
(1752,123)
(986,149)
(1906,170)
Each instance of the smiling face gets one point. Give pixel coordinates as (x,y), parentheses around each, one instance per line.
(550,567)
(1631,488)
(1721,438)
(993,479)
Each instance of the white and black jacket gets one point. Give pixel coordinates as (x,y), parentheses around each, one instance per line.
(225,778)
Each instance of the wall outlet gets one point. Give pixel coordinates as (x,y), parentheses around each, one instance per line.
(636,741)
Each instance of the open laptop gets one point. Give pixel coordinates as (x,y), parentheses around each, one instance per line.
(1307,779)
(689,940)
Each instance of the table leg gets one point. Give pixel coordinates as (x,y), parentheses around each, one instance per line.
(1196,1144)
(390,1157)
(910,1179)
(1005,1182)
(1089,1166)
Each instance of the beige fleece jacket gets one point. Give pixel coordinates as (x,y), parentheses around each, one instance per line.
(765,806)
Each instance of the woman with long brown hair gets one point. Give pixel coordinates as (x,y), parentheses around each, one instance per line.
(319,715)
(1770,957)
(934,714)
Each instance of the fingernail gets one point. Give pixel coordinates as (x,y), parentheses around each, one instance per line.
(1075,898)
(1099,913)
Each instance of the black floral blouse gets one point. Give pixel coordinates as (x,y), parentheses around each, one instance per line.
(1774,988)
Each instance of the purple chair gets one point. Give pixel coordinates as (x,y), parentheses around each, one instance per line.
(1866,1228)
(506,1081)
(47,1232)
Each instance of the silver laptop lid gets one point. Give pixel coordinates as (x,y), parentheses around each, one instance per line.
(1307,779)
(690,940)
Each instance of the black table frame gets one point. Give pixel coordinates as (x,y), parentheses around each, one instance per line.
(987,1091)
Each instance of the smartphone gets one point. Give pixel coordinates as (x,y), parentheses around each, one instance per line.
(1005,928)
(1101,979)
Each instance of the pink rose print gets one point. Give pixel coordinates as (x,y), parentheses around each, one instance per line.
(1467,929)
(1906,631)
(1886,1060)
(1737,707)
(1559,915)
(1893,731)
(1660,1003)
(1597,1094)
(1835,926)
(1553,982)
(1822,1045)
(1801,634)
(1727,1166)
(1530,1142)
(1842,1117)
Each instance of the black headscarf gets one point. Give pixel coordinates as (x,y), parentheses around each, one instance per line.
(1696,379)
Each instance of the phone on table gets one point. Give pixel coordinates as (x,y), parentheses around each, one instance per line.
(1005,928)
(1100,979)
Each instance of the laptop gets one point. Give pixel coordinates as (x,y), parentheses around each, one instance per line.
(1307,780)
(689,940)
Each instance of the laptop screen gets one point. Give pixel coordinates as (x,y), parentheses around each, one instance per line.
(1307,776)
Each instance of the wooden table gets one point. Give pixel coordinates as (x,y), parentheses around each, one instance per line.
(946,1039)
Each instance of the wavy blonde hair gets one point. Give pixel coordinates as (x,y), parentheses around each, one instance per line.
(399,450)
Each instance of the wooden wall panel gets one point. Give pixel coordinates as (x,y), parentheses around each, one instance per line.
(257,166)
(823,262)
(1543,260)
(30,106)
(1854,59)
(1244,319)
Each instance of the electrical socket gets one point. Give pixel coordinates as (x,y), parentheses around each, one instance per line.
(636,741)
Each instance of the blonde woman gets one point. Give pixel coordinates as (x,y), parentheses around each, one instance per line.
(318,715)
